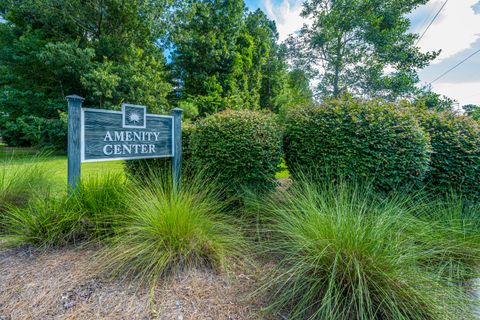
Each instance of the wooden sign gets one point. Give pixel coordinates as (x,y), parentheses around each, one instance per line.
(104,135)
(129,134)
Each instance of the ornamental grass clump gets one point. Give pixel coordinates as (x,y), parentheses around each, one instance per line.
(19,184)
(44,223)
(81,216)
(166,231)
(449,226)
(99,201)
(345,253)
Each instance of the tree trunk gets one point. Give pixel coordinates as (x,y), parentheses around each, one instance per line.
(338,66)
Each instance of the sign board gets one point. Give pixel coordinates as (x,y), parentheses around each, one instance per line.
(103,135)
(129,134)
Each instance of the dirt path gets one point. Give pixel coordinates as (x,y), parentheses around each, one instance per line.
(58,285)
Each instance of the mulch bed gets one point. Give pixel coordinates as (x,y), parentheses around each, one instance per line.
(60,284)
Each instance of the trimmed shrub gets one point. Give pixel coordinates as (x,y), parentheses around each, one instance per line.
(354,138)
(144,169)
(346,252)
(456,153)
(242,149)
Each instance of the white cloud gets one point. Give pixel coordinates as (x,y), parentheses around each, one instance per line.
(286,15)
(464,93)
(457,32)
(455,29)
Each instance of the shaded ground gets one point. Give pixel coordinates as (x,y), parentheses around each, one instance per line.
(58,285)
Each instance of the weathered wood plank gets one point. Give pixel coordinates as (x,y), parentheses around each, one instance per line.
(177,149)
(105,138)
(74,131)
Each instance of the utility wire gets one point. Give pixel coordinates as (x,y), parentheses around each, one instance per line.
(431,22)
(455,66)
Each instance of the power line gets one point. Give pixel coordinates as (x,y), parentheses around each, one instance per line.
(425,21)
(431,22)
(455,66)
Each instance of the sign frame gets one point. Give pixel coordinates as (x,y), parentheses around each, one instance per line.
(82,133)
(76,139)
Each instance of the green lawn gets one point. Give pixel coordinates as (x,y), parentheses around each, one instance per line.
(57,165)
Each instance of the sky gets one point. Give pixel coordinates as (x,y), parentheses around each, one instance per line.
(456,31)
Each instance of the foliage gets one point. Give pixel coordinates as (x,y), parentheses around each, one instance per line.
(167,231)
(144,169)
(242,149)
(472,110)
(431,100)
(455,161)
(368,140)
(102,50)
(37,131)
(211,54)
(346,253)
(19,185)
(99,202)
(86,214)
(225,58)
(455,225)
(361,47)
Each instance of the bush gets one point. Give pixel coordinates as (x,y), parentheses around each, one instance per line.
(19,184)
(365,139)
(456,153)
(166,231)
(346,253)
(242,149)
(87,214)
(455,224)
(36,132)
(144,169)
(99,202)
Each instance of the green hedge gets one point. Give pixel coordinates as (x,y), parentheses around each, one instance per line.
(33,131)
(239,148)
(139,170)
(456,153)
(354,138)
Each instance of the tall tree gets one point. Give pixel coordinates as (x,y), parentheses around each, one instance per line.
(269,72)
(360,46)
(210,54)
(226,57)
(104,50)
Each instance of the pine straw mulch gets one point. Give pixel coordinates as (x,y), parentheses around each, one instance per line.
(57,285)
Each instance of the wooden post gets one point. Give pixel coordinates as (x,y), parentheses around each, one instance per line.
(74,160)
(177,148)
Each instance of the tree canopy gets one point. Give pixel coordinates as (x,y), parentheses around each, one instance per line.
(203,56)
(361,47)
(226,57)
(104,50)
